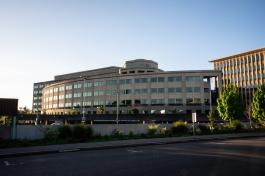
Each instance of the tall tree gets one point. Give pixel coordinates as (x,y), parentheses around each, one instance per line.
(229,103)
(258,104)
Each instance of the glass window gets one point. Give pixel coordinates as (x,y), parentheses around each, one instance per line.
(171,90)
(161,90)
(98,93)
(144,80)
(161,79)
(55,89)
(61,88)
(170,79)
(193,78)
(99,83)
(111,82)
(125,91)
(69,87)
(188,89)
(153,90)
(144,91)
(88,94)
(154,79)
(110,92)
(77,86)
(88,84)
(76,95)
(171,101)
(178,89)
(197,89)
(137,91)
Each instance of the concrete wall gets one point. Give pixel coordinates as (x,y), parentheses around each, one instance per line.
(31,132)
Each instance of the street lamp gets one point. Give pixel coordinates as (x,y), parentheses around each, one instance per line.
(83,102)
(117,118)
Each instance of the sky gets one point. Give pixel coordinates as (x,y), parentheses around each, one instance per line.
(43,38)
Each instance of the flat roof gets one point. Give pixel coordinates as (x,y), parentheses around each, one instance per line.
(238,55)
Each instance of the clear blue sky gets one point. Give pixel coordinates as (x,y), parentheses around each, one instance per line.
(43,38)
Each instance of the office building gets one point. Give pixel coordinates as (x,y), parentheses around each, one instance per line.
(139,85)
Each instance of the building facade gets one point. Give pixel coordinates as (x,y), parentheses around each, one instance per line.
(245,70)
(139,85)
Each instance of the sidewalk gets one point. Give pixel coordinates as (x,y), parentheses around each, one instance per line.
(38,150)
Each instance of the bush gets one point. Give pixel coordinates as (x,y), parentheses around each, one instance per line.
(164,131)
(179,127)
(88,132)
(236,126)
(51,134)
(152,128)
(117,133)
(64,132)
(78,132)
(203,129)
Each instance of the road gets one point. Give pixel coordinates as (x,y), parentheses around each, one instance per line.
(237,157)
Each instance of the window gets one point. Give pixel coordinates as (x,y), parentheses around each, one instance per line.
(77,104)
(98,93)
(77,86)
(77,95)
(61,97)
(193,78)
(170,79)
(87,103)
(144,101)
(55,97)
(157,101)
(69,87)
(61,105)
(67,96)
(193,89)
(141,80)
(153,90)
(61,88)
(161,90)
(161,79)
(178,89)
(55,89)
(87,94)
(137,91)
(88,84)
(110,92)
(68,104)
(111,82)
(197,89)
(174,79)
(171,101)
(144,91)
(98,102)
(153,79)
(125,91)
(99,83)
(171,90)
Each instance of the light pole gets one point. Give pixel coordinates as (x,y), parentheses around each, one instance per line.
(83,106)
(117,118)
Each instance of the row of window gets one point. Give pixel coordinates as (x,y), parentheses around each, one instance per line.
(243,60)
(170,101)
(128,91)
(124,81)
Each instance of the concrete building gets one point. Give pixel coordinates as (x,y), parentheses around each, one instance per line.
(139,84)
(245,70)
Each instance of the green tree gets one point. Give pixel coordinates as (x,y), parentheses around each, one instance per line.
(100,109)
(212,123)
(229,104)
(258,104)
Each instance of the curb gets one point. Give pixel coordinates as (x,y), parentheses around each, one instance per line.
(104,147)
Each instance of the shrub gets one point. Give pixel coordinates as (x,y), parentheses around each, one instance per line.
(64,132)
(88,131)
(164,131)
(203,129)
(116,133)
(51,134)
(152,128)
(179,127)
(236,126)
(78,132)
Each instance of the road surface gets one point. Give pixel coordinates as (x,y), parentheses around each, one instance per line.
(237,157)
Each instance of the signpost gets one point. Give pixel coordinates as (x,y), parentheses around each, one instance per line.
(194,120)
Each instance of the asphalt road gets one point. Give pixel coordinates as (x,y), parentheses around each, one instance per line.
(238,157)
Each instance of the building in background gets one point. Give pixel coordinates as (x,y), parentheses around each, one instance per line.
(137,86)
(245,70)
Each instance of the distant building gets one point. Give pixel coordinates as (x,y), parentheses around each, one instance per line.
(139,84)
(244,70)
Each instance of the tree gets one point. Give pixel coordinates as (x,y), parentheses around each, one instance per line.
(212,123)
(229,104)
(258,104)
(100,109)
(24,110)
